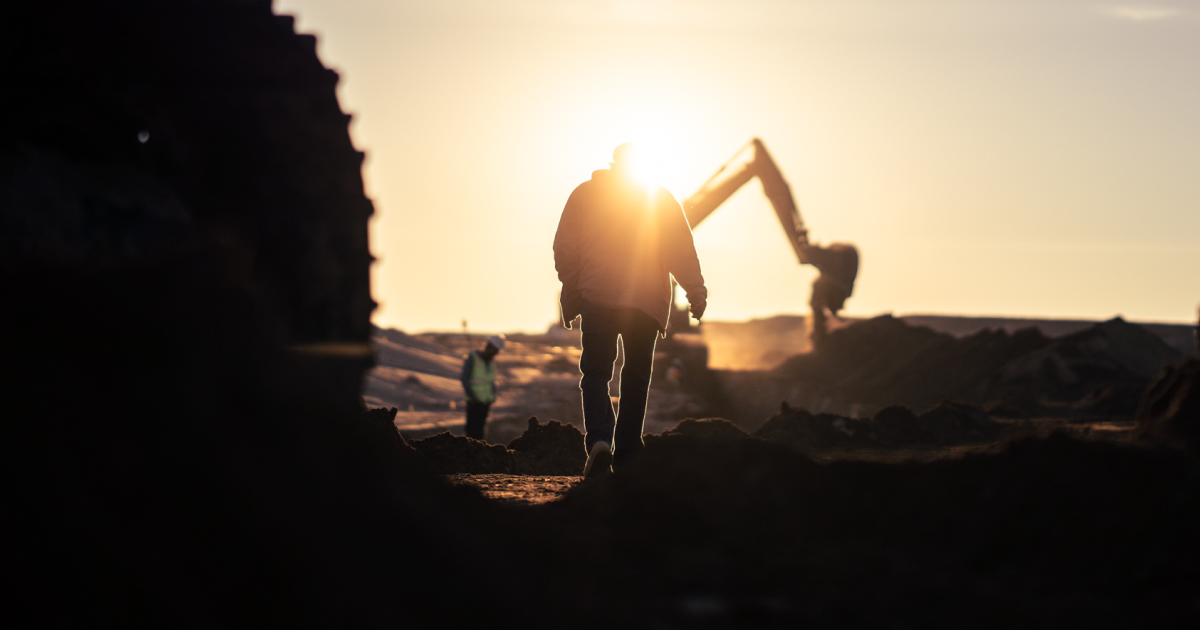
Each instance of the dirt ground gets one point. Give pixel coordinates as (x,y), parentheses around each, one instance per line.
(538,378)
(517,489)
(539,489)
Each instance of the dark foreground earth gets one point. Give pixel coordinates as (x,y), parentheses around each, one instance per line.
(950,519)
(184,445)
(714,527)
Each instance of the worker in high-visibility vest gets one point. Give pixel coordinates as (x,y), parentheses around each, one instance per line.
(479,383)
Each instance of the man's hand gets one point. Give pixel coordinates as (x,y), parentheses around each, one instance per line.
(698,309)
(570,302)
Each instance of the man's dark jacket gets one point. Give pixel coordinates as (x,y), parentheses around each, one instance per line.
(618,244)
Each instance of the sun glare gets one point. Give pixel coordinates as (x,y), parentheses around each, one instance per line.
(644,165)
(655,124)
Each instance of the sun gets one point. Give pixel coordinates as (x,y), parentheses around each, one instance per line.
(641,161)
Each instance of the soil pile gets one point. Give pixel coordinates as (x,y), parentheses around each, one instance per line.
(1170,409)
(717,429)
(883,361)
(380,425)
(893,427)
(553,448)
(446,454)
(543,449)
(746,533)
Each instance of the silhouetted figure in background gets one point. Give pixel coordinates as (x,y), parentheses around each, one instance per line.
(619,241)
(479,384)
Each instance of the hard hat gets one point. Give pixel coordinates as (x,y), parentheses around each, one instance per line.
(497,341)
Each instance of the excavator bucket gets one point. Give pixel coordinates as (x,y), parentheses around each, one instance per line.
(838,264)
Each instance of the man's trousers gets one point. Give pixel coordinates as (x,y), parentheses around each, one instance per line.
(477,414)
(638,332)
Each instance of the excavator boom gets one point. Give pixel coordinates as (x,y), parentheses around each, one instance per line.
(750,162)
(838,263)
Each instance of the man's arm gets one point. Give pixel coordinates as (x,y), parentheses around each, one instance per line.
(566,257)
(679,250)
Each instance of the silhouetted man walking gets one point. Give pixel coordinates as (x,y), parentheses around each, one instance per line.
(619,241)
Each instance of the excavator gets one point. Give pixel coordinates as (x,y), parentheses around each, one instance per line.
(837,262)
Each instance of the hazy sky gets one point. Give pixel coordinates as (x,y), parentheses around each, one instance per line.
(987,157)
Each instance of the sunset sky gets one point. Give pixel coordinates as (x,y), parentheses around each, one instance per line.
(987,157)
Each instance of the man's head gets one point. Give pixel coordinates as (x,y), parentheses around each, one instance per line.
(494,345)
(628,159)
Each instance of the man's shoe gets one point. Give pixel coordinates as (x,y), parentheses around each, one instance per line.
(599,461)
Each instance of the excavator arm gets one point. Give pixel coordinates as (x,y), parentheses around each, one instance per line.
(838,262)
(750,162)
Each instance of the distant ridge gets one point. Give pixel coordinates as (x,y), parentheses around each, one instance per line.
(764,343)
(1178,336)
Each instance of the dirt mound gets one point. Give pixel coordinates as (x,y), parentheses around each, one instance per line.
(945,424)
(1170,410)
(553,448)
(718,429)
(883,362)
(749,533)
(898,425)
(380,424)
(1114,348)
(446,454)
(952,423)
(543,449)
(799,429)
